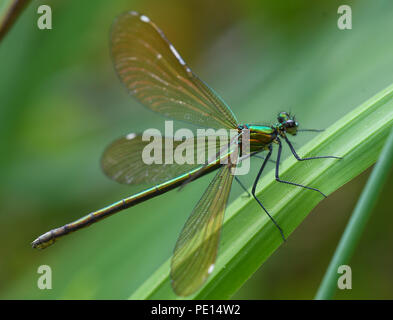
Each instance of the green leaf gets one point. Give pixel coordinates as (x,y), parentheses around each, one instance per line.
(61,104)
(358,221)
(249,237)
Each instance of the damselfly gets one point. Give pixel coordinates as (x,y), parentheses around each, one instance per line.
(156,75)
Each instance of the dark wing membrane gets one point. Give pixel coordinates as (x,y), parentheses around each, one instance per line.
(130,160)
(154,73)
(196,248)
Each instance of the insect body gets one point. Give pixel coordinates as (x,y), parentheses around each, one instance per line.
(155,74)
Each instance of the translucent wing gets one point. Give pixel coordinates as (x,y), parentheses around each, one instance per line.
(127,159)
(155,74)
(196,248)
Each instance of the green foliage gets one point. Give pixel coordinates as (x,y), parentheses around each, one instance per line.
(249,237)
(359,219)
(61,104)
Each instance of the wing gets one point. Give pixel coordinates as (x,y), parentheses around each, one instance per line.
(128,159)
(155,74)
(196,248)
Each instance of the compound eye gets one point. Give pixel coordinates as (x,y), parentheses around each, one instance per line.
(282,117)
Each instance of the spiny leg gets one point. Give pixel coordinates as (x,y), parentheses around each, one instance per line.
(258,156)
(243,186)
(255,185)
(310,158)
(288,182)
(254,155)
(262,157)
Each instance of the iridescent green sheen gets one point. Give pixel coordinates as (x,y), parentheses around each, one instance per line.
(261,137)
(157,76)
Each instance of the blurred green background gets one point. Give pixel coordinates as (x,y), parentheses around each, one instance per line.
(61,104)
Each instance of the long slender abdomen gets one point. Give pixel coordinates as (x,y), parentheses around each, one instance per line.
(51,236)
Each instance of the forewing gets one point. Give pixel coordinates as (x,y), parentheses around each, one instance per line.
(154,73)
(196,248)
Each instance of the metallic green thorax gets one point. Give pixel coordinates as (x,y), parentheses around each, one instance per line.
(262,136)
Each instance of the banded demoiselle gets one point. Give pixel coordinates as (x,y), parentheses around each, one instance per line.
(156,75)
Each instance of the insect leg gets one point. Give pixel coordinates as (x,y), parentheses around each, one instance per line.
(255,185)
(243,186)
(288,182)
(310,158)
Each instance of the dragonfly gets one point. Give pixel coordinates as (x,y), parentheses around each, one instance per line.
(156,75)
